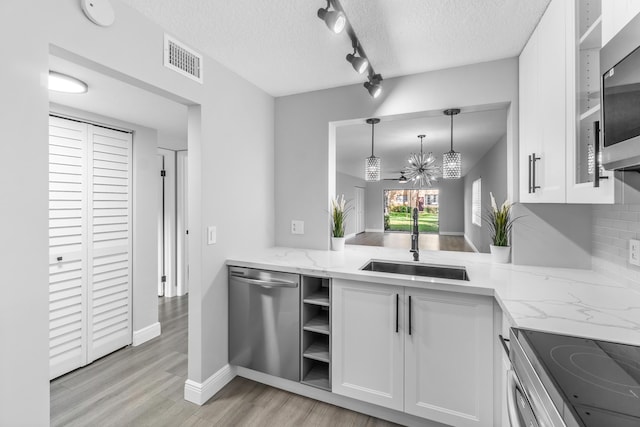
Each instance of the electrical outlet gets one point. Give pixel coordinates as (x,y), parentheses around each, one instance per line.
(634,252)
(212,235)
(297,226)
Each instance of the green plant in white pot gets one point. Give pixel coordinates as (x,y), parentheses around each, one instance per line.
(500,223)
(339,211)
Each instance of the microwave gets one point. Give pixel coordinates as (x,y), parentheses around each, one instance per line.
(620,99)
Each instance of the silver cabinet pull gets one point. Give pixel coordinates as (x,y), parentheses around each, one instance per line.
(532,162)
(397,311)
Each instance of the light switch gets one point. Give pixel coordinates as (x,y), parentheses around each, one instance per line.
(211,235)
(297,226)
(634,252)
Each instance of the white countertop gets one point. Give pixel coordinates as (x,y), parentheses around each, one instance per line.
(564,301)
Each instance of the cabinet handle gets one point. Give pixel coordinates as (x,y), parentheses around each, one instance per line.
(596,134)
(530,161)
(533,173)
(397,313)
(59,258)
(409,314)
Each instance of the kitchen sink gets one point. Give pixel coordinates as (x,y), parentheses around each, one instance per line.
(416,269)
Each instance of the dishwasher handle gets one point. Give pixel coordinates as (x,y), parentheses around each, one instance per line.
(266,283)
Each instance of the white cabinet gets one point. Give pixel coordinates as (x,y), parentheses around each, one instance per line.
(615,15)
(542,73)
(368,343)
(427,353)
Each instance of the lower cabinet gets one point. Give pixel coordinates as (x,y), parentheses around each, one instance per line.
(425,352)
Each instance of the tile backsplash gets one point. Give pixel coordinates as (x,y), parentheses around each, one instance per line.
(613,226)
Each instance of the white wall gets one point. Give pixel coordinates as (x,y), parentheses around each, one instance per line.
(145,201)
(492,168)
(450,207)
(130,50)
(303,137)
(345,184)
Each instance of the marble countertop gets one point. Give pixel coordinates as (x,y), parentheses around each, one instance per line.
(564,301)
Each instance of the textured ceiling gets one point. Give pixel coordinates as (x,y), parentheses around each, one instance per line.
(283,48)
(474,133)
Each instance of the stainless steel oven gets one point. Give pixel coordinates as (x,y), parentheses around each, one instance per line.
(566,381)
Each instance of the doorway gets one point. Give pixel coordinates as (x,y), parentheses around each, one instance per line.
(398,208)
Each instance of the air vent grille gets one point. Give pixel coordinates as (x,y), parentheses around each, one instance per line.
(182,59)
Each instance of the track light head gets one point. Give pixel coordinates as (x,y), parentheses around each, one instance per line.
(334,19)
(373,85)
(358,63)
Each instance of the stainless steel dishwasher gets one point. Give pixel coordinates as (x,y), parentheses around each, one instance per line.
(264,321)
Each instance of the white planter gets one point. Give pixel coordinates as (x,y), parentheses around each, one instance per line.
(500,254)
(337,243)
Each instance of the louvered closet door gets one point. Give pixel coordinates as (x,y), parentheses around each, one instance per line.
(67,245)
(109,269)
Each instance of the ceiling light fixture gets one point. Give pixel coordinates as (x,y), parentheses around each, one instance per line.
(372,164)
(335,19)
(63,83)
(359,64)
(373,85)
(422,170)
(451,161)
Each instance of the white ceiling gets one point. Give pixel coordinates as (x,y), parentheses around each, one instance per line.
(474,133)
(113,98)
(282,47)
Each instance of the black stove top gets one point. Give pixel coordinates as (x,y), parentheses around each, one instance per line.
(598,380)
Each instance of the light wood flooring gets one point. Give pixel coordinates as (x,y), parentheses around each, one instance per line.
(143,386)
(427,241)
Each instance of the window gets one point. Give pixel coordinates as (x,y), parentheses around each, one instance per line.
(476,203)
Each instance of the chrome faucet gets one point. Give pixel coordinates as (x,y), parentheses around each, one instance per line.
(414,236)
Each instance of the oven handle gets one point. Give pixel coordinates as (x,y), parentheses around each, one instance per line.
(512,406)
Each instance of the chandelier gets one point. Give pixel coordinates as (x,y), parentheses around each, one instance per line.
(422,170)
(451,161)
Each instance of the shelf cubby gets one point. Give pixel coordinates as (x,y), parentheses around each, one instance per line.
(315,351)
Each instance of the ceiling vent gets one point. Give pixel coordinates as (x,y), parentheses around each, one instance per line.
(182,59)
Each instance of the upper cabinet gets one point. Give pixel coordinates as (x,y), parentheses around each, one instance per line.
(542,72)
(559,108)
(615,15)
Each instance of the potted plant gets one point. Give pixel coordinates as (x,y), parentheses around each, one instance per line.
(500,224)
(339,212)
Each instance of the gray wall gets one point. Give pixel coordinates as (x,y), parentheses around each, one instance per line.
(345,184)
(450,198)
(492,168)
(217,109)
(305,133)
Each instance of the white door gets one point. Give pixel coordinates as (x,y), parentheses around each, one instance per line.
(449,357)
(359,209)
(67,245)
(89,243)
(110,243)
(367,342)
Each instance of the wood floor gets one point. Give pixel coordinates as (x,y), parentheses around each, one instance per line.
(143,386)
(427,241)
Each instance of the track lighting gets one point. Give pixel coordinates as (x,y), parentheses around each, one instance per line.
(337,21)
(334,19)
(359,64)
(373,85)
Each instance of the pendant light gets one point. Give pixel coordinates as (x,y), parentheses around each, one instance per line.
(451,161)
(422,169)
(372,164)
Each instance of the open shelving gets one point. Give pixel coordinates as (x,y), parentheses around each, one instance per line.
(316,332)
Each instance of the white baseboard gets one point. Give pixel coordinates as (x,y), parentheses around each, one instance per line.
(350,235)
(374,230)
(145,334)
(199,393)
(451,233)
(470,243)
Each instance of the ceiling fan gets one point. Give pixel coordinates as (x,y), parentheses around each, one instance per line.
(402,179)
